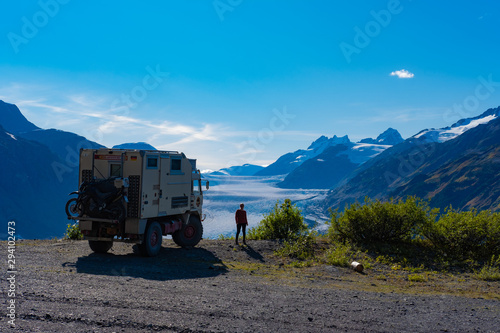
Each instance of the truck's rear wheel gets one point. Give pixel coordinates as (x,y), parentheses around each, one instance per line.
(100,246)
(151,244)
(190,233)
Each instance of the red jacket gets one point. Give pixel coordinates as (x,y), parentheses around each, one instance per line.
(241,216)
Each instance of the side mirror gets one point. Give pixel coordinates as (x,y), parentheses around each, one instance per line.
(208,185)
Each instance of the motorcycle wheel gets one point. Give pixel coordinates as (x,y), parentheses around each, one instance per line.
(73,208)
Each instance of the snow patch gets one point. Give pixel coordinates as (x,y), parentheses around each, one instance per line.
(449,133)
(454,132)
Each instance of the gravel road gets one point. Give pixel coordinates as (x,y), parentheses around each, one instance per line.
(61,286)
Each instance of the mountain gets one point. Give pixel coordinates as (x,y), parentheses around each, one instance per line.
(356,153)
(135,145)
(40,168)
(66,145)
(241,170)
(288,162)
(390,137)
(324,171)
(460,127)
(336,160)
(32,194)
(462,171)
(13,121)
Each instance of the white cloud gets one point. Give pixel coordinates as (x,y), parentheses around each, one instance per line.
(403,74)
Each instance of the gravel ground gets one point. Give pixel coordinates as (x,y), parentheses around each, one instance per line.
(61,286)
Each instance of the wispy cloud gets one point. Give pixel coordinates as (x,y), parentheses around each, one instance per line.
(403,74)
(95,116)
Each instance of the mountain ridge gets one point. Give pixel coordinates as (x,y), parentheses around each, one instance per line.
(13,121)
(357,152)
(459,172)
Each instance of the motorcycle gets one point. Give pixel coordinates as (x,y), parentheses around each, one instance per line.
(99,199)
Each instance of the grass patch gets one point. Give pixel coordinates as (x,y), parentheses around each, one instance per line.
(301,264)
(417,278)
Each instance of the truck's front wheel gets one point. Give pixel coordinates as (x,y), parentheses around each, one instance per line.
(190,233)
(151,244)
(100,246)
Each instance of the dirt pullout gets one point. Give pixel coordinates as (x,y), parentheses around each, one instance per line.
(219,287)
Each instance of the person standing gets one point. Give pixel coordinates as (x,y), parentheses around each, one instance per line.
(241,223)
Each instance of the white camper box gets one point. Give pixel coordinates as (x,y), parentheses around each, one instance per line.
(164,197)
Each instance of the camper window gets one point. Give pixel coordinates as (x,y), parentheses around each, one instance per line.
(175,166)
(152,163)
(115,170)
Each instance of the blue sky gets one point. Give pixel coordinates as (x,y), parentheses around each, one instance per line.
(238,81)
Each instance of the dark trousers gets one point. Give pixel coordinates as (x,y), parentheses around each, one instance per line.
(240,227)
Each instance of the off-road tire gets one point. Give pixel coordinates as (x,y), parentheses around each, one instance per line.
(190,234)
(100,246)
(151,244)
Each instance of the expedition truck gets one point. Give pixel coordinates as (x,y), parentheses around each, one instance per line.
(137,196)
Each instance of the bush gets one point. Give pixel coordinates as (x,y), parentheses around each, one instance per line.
(73,232)
(300,247)
(490,271)
(283,222)
(225,237)
(339,255)
(377,221)
(466,235)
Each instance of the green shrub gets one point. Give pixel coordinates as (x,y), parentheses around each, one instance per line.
(377,221)
(490,271)
(73,232)
(283,222)
(339,255)
(225,237)
(300,247)
(466,235)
